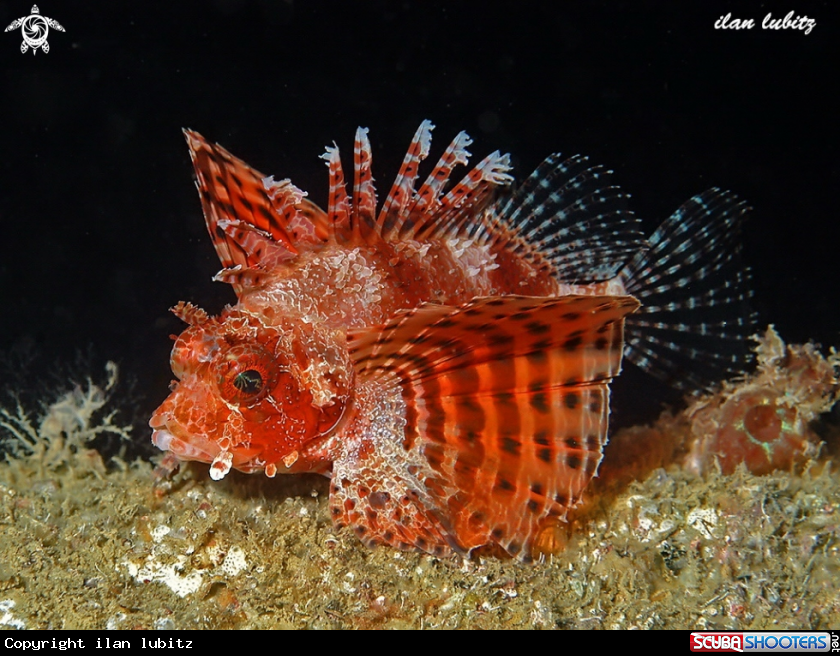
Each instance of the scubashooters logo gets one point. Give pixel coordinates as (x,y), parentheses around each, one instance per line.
(34,29)
(717,642)
(764,641)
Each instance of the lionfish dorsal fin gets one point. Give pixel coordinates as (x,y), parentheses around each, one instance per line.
(568,216)
(408,213)
(460,211)
(364,193)
(425,214)
(507,399)
(338,210)
(254,221)
(402,191)
(428,197)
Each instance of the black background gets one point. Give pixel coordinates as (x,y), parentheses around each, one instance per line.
(101,227)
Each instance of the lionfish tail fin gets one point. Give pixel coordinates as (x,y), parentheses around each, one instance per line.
(568,217)
(694,325)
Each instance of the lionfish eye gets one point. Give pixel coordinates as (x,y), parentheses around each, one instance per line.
(245,373)
(248,382)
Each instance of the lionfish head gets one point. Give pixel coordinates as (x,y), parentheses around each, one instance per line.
(248,395)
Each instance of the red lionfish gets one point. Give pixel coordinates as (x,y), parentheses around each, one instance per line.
(446,359)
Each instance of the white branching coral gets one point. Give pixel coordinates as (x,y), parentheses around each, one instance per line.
(67,425)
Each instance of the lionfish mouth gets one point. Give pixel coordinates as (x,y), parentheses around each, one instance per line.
(165,436)
(164,440)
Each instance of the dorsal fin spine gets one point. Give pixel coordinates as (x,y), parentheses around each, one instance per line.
(427,198)
(402,191)
(339,210)
(364,193)
(462,204)
(408,214)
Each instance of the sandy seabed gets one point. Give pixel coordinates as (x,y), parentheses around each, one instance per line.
(86,544)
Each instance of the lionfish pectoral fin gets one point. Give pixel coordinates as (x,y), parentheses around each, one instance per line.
(694,325)
(506,400)
(253,220)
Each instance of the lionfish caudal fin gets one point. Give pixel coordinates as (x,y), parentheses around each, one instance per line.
(505,400)
(693,327)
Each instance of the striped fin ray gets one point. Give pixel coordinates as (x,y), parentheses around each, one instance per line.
(407,213)
(338,210)
(507,400)
(364,193)
(402,191)
(460,211)
(378,490)
(378,350)
(255,222)
(567,213)
(693,327)
(428,197)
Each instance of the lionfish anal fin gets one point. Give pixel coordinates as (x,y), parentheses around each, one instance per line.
(506,398)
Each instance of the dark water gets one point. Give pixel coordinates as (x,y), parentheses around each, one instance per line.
(101,229)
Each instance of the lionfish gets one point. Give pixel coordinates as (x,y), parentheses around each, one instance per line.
(445,358)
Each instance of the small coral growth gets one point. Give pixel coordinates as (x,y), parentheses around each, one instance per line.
(64,431)
(765,420)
